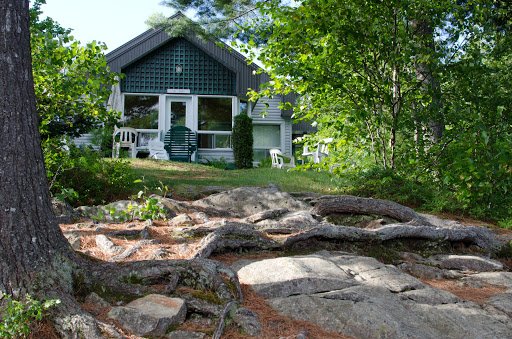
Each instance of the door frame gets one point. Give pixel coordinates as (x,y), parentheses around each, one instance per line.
(166,116)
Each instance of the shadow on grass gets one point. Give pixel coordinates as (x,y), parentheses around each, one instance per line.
(186,178)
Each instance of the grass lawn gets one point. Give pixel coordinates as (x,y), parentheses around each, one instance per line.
(189,181)
(185,180)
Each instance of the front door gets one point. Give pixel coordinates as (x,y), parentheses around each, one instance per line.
(178,112)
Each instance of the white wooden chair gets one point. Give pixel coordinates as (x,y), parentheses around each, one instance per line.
(124,137)
(157,150)
(278,159)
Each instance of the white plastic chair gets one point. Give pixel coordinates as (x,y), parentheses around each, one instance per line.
(157,150)
(321,151)
(127,138)
(278,159)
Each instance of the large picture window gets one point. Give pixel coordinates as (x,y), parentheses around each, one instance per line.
(215,121)
(141,111)
(265,137)
(214,114)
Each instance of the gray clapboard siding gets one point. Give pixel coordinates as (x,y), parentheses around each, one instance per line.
(287,136)
(272,112)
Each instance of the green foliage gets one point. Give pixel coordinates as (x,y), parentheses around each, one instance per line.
(145,208)
(471,163)
(242,141)
(72,82)
(421,192)
(102,137)
(220,163)
(265,163)
(83,175)
(16,316)
(150,207)
(419,87)
(356,68)
(216,18)
(507,223)
(100,216)
(505,251)
(67,194)
(387,184)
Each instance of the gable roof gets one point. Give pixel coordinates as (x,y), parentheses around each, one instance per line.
(152,39)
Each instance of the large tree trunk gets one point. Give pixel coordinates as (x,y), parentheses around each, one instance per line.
(31,243)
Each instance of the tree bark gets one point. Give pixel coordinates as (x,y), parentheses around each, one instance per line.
(425,34)
(396,96)
(31,243)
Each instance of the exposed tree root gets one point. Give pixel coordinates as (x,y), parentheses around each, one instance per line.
(72,322)
(123,282)
(355,205)
(130,280)
(234,236)
(470,235)
(222,321)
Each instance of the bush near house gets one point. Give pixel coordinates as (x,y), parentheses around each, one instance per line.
(82,177)
(242,141)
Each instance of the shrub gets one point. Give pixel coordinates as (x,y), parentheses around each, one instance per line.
(82,177)
(217,163)
(243,141)
(17,316)
(102,137)
(386,184)
(480,176)
(265,163)
(425,191)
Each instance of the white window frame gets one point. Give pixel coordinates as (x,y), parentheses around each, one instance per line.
(142,130)
(234,112)
(281,125)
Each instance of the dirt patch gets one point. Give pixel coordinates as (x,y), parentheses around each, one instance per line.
(479,295)
(198,324)
(162,244)
(465,220)
(275,325)
(507,262)
(43,329)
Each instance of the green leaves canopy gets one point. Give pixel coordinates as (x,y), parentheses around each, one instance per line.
(421,87)
(72,82)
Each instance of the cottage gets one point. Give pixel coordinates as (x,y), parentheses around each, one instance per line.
(195,83)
